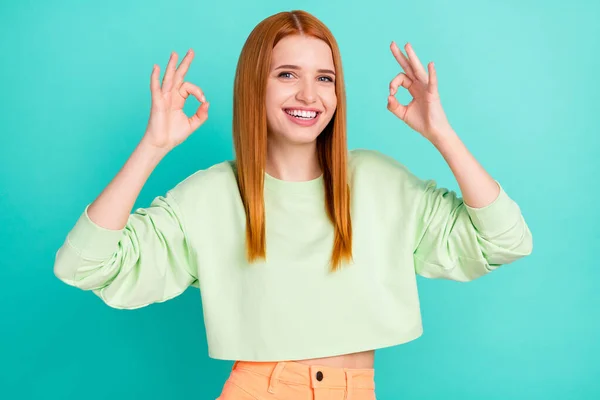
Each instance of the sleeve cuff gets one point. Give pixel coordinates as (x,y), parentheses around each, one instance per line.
(496,217)
(91,240)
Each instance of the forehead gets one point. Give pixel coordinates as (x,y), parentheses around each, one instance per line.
(305,51)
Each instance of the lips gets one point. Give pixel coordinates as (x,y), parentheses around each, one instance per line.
(302,109)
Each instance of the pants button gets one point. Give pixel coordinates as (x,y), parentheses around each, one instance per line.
(319,376)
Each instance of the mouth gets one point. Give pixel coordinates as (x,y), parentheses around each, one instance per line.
(302,117)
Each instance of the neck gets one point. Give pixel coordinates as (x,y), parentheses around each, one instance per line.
(292,162)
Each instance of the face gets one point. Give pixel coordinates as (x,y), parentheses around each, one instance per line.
(300,99)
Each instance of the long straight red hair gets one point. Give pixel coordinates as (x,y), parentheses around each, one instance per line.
(250,133)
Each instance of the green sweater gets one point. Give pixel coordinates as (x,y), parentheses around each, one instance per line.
(291,306)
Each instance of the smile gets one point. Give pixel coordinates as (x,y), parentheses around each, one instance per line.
(302,118)
(302,114)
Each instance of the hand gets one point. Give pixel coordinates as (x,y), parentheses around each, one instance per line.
(424,113)
(168,126)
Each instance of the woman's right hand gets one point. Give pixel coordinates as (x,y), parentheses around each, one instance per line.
(168,126)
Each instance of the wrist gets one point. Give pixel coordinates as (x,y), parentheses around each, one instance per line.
(152,150)
(445,139)
(149,153)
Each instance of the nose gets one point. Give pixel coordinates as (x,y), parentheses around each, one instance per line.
(307,91)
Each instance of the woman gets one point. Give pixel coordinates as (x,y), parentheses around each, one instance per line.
(305,253)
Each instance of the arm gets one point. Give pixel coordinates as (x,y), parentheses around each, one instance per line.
(128,259)
(465,238)
(456,238)
(133,259)
(112,207)
(478,188)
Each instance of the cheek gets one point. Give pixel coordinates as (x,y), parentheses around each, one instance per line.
(274,100)
(330,100)
(272,106)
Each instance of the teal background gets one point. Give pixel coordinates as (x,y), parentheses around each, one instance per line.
(519,82)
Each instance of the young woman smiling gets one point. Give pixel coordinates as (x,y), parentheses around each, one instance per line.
(305,253)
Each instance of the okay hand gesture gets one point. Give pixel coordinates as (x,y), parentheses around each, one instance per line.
(424,113)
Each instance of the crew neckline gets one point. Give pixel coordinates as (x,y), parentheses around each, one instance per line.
(312,186)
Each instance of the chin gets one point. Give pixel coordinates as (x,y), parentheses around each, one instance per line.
(297,139)
(297,135)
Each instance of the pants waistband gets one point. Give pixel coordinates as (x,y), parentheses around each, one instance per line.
(315,376)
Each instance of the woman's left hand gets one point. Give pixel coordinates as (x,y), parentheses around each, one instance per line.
(424,113)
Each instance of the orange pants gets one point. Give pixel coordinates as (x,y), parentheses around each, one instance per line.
(295,381)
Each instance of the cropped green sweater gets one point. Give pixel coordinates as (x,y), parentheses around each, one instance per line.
(291,306)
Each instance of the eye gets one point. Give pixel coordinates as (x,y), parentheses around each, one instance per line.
(284,73)
(328,78)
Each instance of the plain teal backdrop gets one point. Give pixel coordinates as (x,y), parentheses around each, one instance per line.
(519,82)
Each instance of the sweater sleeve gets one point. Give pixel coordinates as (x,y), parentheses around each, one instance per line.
(462,243)
(147,261)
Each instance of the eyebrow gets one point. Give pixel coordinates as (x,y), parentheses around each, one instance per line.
(289,66)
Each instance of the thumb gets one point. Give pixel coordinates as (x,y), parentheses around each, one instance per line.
(200,116)
(396,108)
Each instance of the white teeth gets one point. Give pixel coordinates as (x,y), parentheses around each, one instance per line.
(302,114)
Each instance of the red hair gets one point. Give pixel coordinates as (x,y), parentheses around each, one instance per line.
(250,133)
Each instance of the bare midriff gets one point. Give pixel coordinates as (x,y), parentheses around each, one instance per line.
(361,360)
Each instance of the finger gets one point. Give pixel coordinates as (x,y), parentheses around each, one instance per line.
(402,60)
(185,90)
(183,68)
(396,108)
(416,64)
(400,80)
(154,84)
(432,86)
(188,88)
(167,83)
(199,117)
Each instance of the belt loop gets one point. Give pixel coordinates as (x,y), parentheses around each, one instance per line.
(275,375)
(349,386)
(235,363)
